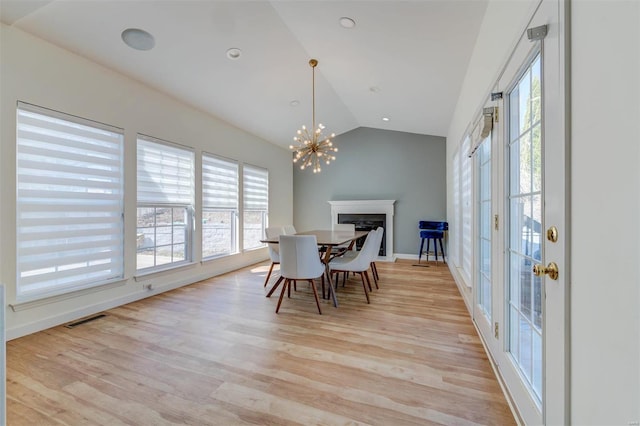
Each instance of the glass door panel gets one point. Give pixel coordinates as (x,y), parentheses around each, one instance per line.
(484,227)
(525,228)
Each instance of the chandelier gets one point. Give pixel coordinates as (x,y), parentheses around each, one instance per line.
(313,147)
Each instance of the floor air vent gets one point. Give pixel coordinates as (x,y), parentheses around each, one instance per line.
(84,321)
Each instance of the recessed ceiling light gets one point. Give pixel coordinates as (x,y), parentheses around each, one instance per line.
(385,118)
(347,22)
(234,53)
(294,103)
(138,39)
(374,89)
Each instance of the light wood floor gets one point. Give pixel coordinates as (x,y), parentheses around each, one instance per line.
(215,353)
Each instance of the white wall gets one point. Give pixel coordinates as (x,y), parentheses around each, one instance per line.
(605,179)
(37,72)
(501,28)
(605,185)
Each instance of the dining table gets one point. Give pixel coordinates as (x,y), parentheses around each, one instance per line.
(328,239)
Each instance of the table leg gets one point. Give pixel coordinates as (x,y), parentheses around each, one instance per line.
(327,257)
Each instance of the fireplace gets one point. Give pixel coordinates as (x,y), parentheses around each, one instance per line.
(368,213)
(365,222)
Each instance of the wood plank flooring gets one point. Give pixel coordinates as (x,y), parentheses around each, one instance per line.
(215,353)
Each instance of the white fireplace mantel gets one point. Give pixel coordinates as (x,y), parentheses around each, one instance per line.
(385,207)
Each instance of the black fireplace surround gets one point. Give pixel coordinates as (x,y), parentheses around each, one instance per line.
(366,222)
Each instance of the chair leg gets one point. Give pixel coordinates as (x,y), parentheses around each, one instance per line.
(364,286)
(428,245)
(375,270)
(284,287)
(275,286)
(315,293)
(269,274)
(421,247)
(373,274)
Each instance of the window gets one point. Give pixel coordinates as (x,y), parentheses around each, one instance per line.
(483,244)
(165,204)
(454,250)
(219,206)
(255,196)
(466,210)
(461,232)
(70,230)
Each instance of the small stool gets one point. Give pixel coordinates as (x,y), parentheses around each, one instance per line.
(430,230)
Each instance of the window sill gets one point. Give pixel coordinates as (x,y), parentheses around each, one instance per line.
(53,298)
(147,275)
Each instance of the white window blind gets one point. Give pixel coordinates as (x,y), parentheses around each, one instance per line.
(165,173)
(219,183)
(455,231)
(466,210)
(255,188)
(69,203)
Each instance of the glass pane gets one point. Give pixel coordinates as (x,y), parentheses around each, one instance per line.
(164,216)
(485,257)
(218,233)
(485,181)
(536,227)
(525,357)
(525,102)
(537,303)
(253,229)
(520,232)
(537,364)
(486,296)
(514,332)
(514,114)
(145,258)
(524,184)
(536,153)
(485,220)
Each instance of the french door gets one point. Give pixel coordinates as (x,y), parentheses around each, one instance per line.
(520,302)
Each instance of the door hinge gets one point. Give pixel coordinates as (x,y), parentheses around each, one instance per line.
(495,221)
(496,116)
(496,330)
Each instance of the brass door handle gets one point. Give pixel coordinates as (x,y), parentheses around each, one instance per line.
(551,269)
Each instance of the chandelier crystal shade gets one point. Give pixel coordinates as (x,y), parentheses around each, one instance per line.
(312,146)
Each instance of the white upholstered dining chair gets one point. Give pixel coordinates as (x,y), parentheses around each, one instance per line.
(358,264)
(299,261)
(274,250)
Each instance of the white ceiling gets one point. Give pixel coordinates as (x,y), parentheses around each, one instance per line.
(414,52)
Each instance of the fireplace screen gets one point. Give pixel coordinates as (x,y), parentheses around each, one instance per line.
(366,222)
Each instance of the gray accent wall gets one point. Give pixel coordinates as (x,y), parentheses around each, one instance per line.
(376,164)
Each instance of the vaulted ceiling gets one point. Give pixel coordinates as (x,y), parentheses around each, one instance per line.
(403,60)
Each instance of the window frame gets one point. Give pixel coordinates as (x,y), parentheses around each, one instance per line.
(254,199)
(173,200)
(65,199)
(229,205)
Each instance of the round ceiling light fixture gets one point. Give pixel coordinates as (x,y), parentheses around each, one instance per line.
(385,119)
(346,22)
(234,53)
(294,103)
(138,39)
